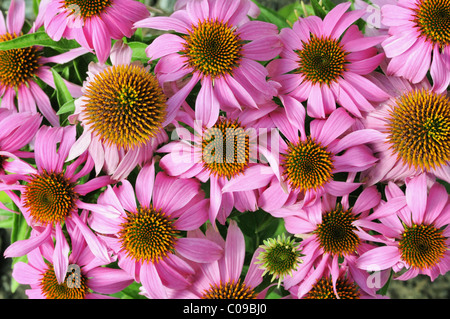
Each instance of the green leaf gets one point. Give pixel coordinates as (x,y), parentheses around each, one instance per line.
(62,93)
(68,107)
(318,10)
(138,49)
(38,38)
(269,15)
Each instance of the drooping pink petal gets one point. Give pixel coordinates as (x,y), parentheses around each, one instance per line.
(234,252)
(23,247)
(144,184)
(60,255)
(108,280)
(151,281)
(199,250)
(380,257)
(416,197)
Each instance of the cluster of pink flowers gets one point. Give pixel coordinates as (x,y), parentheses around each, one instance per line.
(339,134)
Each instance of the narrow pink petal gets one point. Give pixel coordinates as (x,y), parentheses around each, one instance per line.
(439,71)
(43,103)
(337,188)
(144,184)
(337,123)
(25,274)
(358,137)
(273,197)
(23,247)
(60,255)
(57,26)
(107,280)
(25,100)
(215,195)
(125,194)
(254,177)
(171,194)
(207,106)
(175,101)
(3,29)
(416,197)
(398,44)
(334,17)
(253,30)
(194,216)
(151,281)
(379,258)
(65,57)
(240,92)
(164,23)
(234,252)
(437,199)
(390,208)
(297,225)
(164,45)
(97,247)
(263,49)
(315,107)
(16,16)
(198,10)
(101,40)
(368,199)
(199,250)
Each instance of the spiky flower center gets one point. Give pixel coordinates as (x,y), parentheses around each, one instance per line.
(125,106)
(213,48)
(419,129)
(432,17)
(225,149)
(148,235)
(323,289)
(86,8)
(422,246)
(17,66)
(73,287)
(280,257)
(307,165)
(229,290)
(50,197)
(322,60)
(336,233)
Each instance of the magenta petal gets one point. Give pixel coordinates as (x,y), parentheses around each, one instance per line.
(254,177)
(60,255)
(193,217)
(416,197)
(164,23)
(207,106)
(234,252)
(144,184)
(199,250)
(23,247)
(25,274)
(379,258)
(107,280)
(16,16)
(439,71)
(437,199)
(151,281)
(43,103)
(164,45)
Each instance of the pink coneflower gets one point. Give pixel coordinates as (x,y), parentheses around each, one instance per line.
(310,162)
(84,275)
(221,279)
(419,40)
(122,112)
(50,195)
(220,48)
(414,123)
(19,69)
(331,232)
(416,232)
(92,23)
(145,234)
(325,62)
(227,155)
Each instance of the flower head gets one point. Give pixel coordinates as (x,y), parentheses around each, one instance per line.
(20,68)
(326,61)
(84,275)
(122,111)
(419,40)
(219,47)
(415,125)
(415,230)
(51,193)
(91,23)
(146,234)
